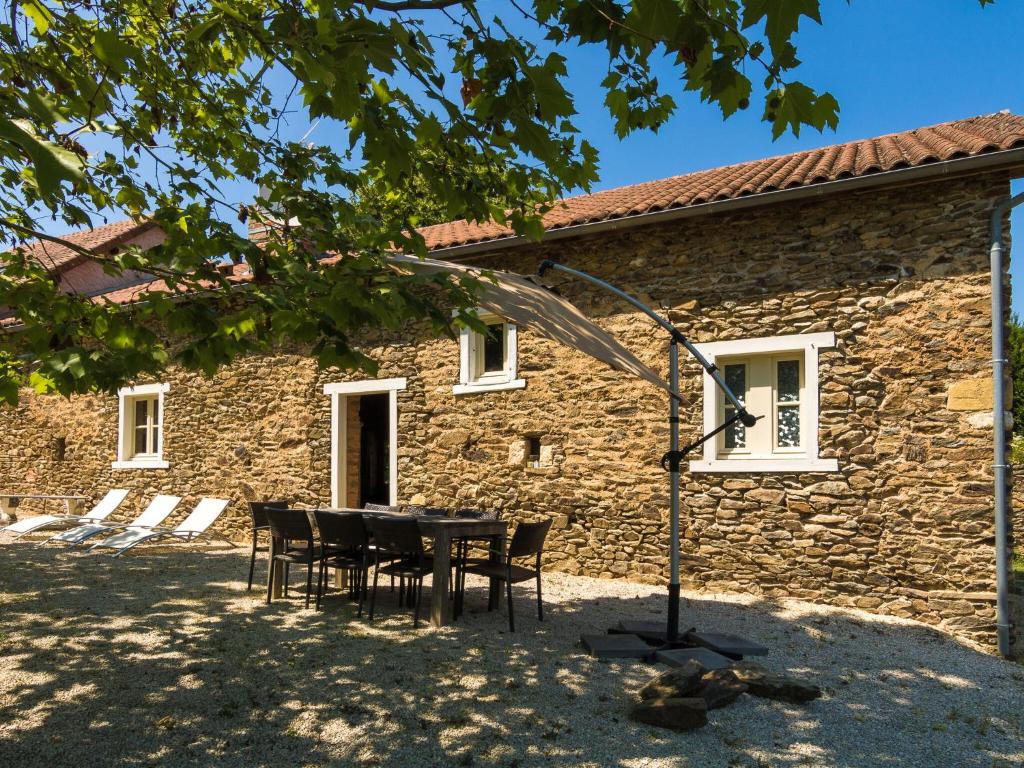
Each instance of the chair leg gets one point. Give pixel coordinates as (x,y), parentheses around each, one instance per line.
(271,565)
(286,579)
(419,600)
(309,580)
(511,619)
(540,604)
(361,590)
(373,592)
(252,562)
(319,584)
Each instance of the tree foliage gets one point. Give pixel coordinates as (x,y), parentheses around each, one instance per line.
(1016,347)
(149,107)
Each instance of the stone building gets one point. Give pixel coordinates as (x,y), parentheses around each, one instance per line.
(844,291)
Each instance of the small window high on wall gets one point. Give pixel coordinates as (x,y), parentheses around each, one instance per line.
(776,378)
(140,427)
(488,360)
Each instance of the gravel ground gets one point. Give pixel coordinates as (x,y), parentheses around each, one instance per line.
(163,658)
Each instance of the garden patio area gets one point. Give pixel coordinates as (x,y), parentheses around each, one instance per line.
(164,658)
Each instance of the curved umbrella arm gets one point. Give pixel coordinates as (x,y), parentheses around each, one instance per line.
(677,336)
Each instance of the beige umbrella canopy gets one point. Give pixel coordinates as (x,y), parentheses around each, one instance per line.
(528,305)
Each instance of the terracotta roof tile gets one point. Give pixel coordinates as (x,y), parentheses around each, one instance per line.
(101,239)
(947,141)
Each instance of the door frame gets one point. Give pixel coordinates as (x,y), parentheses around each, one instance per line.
(339,393)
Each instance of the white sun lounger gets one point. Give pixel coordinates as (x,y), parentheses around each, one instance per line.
(159,508)
(103,509)
(189,529)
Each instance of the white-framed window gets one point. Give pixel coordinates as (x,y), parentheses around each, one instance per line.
(487,362)
(140,427)
(776,378)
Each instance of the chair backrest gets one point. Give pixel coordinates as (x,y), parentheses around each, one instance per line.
(372,507)
(158,510)
(289,524)
(400,536)
(200,518)
(340,529)
(479,514)
(529,539)
(415,509)
(107,504)
(258,510)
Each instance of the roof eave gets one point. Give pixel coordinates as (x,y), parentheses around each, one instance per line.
(962,166)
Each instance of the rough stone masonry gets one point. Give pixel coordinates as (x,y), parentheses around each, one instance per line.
(904,527)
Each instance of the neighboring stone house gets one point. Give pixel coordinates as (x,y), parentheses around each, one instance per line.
(845,291)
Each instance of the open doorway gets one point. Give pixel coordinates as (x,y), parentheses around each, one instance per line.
(364,441)
(374,450)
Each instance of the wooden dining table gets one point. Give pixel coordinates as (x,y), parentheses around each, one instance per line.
(443,531)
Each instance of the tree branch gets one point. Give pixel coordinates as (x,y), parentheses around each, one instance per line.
(14,23)
(396,6)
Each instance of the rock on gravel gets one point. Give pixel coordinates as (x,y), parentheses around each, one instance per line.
(675,713)
(720,687)
(676,683)
(772,685)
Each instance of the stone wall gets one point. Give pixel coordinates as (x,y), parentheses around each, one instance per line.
(904,527)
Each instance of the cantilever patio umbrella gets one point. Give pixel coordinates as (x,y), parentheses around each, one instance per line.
(533,306)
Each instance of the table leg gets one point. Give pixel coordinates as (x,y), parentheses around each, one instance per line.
(442,572)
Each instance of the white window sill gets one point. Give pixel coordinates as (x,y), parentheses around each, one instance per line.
(801,464)
(141,464)
(500,386)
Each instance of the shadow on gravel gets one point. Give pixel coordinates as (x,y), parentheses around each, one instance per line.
(164,658)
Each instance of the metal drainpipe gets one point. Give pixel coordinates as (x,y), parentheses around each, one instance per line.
(999,424)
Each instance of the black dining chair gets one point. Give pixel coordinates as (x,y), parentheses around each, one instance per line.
(400,539)
(527,541)
(291,527)
(257,510)
(343,546)
(462,544)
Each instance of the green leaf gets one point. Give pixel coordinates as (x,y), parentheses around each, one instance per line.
(51,163)
(40,15)
(781,18)
(552,98)
(795,105)
(113,51)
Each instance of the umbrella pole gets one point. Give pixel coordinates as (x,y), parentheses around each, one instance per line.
(672,633)
(672,460)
